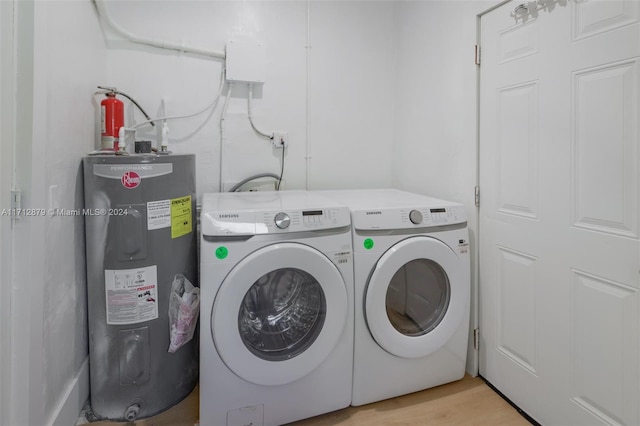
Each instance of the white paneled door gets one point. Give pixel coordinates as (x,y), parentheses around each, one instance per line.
(559,217)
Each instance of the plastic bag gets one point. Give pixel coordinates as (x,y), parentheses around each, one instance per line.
(184,309)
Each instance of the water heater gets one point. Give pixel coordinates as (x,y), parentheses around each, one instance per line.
(140,219)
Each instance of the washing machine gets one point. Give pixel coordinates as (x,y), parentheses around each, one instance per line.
(276,324)
(412,292)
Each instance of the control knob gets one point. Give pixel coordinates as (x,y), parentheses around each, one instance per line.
(282,220)
(415,217)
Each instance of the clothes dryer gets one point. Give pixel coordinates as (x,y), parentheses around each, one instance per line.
(277,308)
(412,292)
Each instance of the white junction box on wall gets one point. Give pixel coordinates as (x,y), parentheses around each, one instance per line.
(280,140)
(246,61)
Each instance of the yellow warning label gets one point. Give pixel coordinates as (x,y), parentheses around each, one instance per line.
(181,216)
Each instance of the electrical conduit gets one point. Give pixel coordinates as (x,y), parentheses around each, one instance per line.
(102,11)
(222,118)
(178,117)
(253,126)
(307,155)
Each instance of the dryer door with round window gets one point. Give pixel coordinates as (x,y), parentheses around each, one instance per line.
(279,313)
(416,297)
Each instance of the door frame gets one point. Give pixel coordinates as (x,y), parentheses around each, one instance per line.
(24,242)
(7,141)
(478,255)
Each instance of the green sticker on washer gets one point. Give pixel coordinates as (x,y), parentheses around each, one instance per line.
(368,244)
(222,252)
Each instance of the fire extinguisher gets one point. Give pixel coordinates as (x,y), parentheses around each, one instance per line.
(112,115)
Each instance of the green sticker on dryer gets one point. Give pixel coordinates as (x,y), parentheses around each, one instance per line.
(368,244)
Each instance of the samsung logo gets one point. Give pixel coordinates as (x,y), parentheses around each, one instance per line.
(374,212)
(228,216)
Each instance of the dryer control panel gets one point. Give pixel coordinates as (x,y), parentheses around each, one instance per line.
(409,217)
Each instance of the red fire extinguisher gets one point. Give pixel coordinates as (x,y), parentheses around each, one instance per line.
(112,114)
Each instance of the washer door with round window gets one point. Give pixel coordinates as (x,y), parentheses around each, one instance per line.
(416,297)
(279,313)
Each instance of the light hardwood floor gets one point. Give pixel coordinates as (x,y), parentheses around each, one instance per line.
(466,402)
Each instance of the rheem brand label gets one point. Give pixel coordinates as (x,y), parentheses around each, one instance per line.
(130,179)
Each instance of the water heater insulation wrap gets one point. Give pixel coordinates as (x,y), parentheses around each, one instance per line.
(140,218)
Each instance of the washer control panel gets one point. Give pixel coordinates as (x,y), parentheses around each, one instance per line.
(274,221)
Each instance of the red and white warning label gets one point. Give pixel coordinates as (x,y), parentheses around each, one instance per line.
(132,295)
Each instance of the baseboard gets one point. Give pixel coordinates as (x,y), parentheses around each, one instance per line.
(76,394)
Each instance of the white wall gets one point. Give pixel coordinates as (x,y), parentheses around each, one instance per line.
(336,103)
(435,114)
(352,80)
(435,135)
(73,58)
(61,58)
